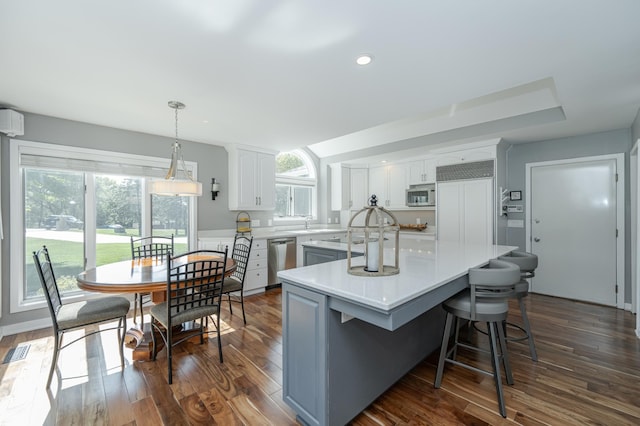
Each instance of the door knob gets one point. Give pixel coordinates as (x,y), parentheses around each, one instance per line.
(537,220)
(536,239)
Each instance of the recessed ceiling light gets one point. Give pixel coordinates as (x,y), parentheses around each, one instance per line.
(205,121)
(364,59)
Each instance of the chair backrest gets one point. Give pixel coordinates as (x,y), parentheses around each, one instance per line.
(496,281)
(195,280)
(241,251)
(146,247)
(42,262)
(528,262)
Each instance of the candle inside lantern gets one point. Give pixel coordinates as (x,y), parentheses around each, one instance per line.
(372,256)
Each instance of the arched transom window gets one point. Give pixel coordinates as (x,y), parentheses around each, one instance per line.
(295,185)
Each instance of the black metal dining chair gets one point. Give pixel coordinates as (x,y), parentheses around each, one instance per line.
(145,248)
(235,282)
(71,316)
(194,293)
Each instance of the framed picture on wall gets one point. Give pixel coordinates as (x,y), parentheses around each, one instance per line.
(515,195)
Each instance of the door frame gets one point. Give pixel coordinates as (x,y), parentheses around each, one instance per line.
(620,210)
(634,162)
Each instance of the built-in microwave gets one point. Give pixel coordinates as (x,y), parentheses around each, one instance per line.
(423,195)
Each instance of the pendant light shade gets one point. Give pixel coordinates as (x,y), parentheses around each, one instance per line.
(178,181)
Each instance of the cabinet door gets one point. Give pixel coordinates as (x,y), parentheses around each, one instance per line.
(246,175)
(430,170)
(340,187)
(359,189)
(397,186)
(465,211)
(478,211)
(378,184)
(266,181)
(415,172)
(449,208)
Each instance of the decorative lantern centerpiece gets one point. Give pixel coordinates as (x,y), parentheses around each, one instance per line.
(372,226)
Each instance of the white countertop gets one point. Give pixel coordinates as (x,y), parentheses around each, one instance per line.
(424,265)
(277,232)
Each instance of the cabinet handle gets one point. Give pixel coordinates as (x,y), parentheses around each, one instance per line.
(256,201)
(260,198)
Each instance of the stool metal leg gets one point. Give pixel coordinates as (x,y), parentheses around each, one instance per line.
(496,367)
(505,355)
(443,350)
(527,329)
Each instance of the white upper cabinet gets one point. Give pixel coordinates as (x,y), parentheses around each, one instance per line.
(359,188)
(252,180)
(421,171)
(348,187)
(388,183)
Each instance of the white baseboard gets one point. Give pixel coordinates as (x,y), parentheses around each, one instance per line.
(22,327)
(628,307)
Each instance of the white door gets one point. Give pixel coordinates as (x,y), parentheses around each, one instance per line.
(573,230)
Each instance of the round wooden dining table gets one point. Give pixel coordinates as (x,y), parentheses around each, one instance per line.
(148,275)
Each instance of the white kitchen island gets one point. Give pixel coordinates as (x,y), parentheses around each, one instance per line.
(349,338)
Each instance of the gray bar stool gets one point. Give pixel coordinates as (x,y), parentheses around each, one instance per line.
(485,300)
(528,262)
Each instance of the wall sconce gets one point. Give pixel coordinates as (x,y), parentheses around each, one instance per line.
(215,188)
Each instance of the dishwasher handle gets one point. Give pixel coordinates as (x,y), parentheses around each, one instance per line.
(282,241)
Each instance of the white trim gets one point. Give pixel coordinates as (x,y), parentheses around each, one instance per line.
(16,202)
(25,326)
(620,204)
(635,226)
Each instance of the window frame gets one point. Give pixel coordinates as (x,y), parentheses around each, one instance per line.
(309,182)
(17,148)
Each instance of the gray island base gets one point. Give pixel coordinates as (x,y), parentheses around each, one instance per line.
(347,339)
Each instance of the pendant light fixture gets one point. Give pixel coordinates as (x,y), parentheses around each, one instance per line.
(178,180)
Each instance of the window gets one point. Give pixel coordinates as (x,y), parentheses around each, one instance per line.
(295,186)
(84,205)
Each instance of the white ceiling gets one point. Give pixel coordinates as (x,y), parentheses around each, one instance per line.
(282,74)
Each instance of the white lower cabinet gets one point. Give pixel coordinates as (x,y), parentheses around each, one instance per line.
(255,279)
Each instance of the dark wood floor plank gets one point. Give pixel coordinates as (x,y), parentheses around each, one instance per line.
(219,408)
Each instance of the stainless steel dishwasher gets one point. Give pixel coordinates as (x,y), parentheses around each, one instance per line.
(281,256)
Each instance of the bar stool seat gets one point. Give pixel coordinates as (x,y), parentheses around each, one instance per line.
(527,262)
(485,300)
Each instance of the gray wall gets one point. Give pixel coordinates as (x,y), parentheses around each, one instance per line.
(612,142)
(212,162)
(635,129)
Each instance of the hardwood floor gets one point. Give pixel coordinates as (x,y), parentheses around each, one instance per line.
(588,373)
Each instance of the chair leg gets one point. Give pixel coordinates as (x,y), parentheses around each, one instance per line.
(154,346)
(122,329)
(219,340)
(456,336)
(230,307)
(54,360)
(443,350)
(527,329)
(496,366)
(169,353)
(244,318)
(502,339)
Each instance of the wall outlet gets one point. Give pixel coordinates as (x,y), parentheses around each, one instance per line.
(338,219)
(255,223)
(328,220)
(417,221)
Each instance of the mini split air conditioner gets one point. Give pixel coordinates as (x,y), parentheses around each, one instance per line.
(11,122)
